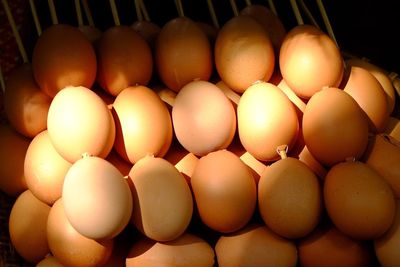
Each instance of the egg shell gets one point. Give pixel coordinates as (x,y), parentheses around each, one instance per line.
(186,250)
(266,119)
(49,261)
(71,248)
(44,169)
(327,246)
(25,104)
(79,122)
(162,200)
(386,246)
(124,59)
(96,198)
(358,200)
(63,56)
(334,127)
(310,60)
(370,96)
(30,242)
(254,246)
(143,124)
(204,119)
(224,190)
(12,157)
(243,53)
(290,198)
(183,53)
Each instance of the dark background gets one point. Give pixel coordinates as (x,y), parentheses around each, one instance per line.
(365,28)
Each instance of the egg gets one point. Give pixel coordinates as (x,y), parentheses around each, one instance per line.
(61,57)
(224,190)
(183,53)
(334,127)
(266,119)
(290,198)
(358,200)
(124,59)
(186,250)
(27,227)
(329,247)
(44,169)
(143,124)
(386,246)
(25,104)
(49,261)
(162,200)
(369,95)
(253,246)
(96,198)
(71,248)
(383,155)
(204,119)
(79,122)
(12,156)
(310,60)
(243,53)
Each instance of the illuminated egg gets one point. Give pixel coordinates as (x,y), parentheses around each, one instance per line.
(63,56)
(266,119)
(27,227)
(243,53)
(79,122)
(334,127)
(182,53)
(44,169)
(97,198)
(25,104)
(204,119)
(65,241)
(124,59)
(310,60)
(12,156)
(143,124)
(162,200)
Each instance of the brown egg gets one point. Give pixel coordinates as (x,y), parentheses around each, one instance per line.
(224,190)
(271,23)
(204,119)
(79,122)
(49,261)
(358,200)
(383,155)
(44,169)
(310,60)
(326,246)
(290,198)
(369,95)
(25,104)
(381,76)
(266,120)
(143,124)
(182,53)
(124,59)
(387,246)
(393,128)
(334,127)
(243,53)
(186,250)
(12,156)
(71,248)
(27,227)
(162,200)
(148,30)
(96,197)
(63,56)
(255,246)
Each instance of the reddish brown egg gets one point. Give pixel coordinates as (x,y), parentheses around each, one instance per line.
(62,57)
(124,59)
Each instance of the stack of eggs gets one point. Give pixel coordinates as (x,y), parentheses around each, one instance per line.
(250,146)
